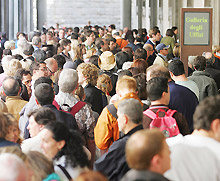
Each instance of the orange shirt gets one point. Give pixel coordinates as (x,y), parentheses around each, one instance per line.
(121,42)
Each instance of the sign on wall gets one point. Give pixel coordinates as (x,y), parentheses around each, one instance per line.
(196,28)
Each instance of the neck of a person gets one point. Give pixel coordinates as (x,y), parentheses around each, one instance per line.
(129,127)
(159,102)
(180,78)
(204,133)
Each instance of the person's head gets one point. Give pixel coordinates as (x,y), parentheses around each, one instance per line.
(154,34)
(157,71)
(90,36)
(28,49)
(120,58)
(87,73)
(140,53)
(13,129)
(38,119)
(141,85)
(40,165)
(36,41)
(130,113)
(176,68)
(91,176)
(49,36)
(199,63)
(94,60)
(149,49)
(104,83)
(99,43)
(11,67)
(107,61)
(158,90)
(68,80)
(60,61)
(141,64)
(65,44)
(52,66)
(61,33)
(10,45)
(58,140)
(11,86)
(124,72)
(21,43)
(162,49)
(207,116)
(80,51)
(4,125)
(177,51)
(210,58)
(12,168)
(38,69)
(44,94)
(39,55)
(126,85)
(169,32)
(175,30)
(148,150)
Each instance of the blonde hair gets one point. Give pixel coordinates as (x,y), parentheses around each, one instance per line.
(14,150)
(26,63)
(90,72)
(104,83)
(11,67)
(126,82)
(177,51)
(40,165)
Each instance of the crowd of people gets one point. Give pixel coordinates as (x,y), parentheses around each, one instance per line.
(99,103)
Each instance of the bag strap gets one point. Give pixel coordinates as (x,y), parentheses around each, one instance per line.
(75,109)
(65,172)
(150,114)
(112,109)
(56,104)
(171,112)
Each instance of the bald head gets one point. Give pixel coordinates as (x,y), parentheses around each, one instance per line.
(157,71)
(149,49)
(11,86)
(12,168)
(51,65)
(142,146)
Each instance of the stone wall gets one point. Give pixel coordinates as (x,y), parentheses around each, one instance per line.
(78,12)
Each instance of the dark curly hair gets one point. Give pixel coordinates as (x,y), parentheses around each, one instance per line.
(206,112)
(73,148)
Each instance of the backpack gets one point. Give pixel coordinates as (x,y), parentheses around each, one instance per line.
(166,124)
(72,110)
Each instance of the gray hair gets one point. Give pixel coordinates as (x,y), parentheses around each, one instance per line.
(36,40)
(12,167)
(9,44)
(68,80)
(132,108)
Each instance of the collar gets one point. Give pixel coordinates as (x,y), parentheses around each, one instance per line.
(151,39)
(162,56)
(137,128)
(13,98)
(198,73)
(128,96)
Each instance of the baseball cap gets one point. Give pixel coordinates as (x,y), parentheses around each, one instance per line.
(161,46)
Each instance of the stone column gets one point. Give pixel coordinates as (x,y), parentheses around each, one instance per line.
(16,18)
(139,6)
(216,25)
(153,15)
(41,13)
(11,19)
(125,14)
(147,19)
(165,16)
(199,3)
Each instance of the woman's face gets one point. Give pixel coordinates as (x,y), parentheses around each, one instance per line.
(13,134)
(49,145)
